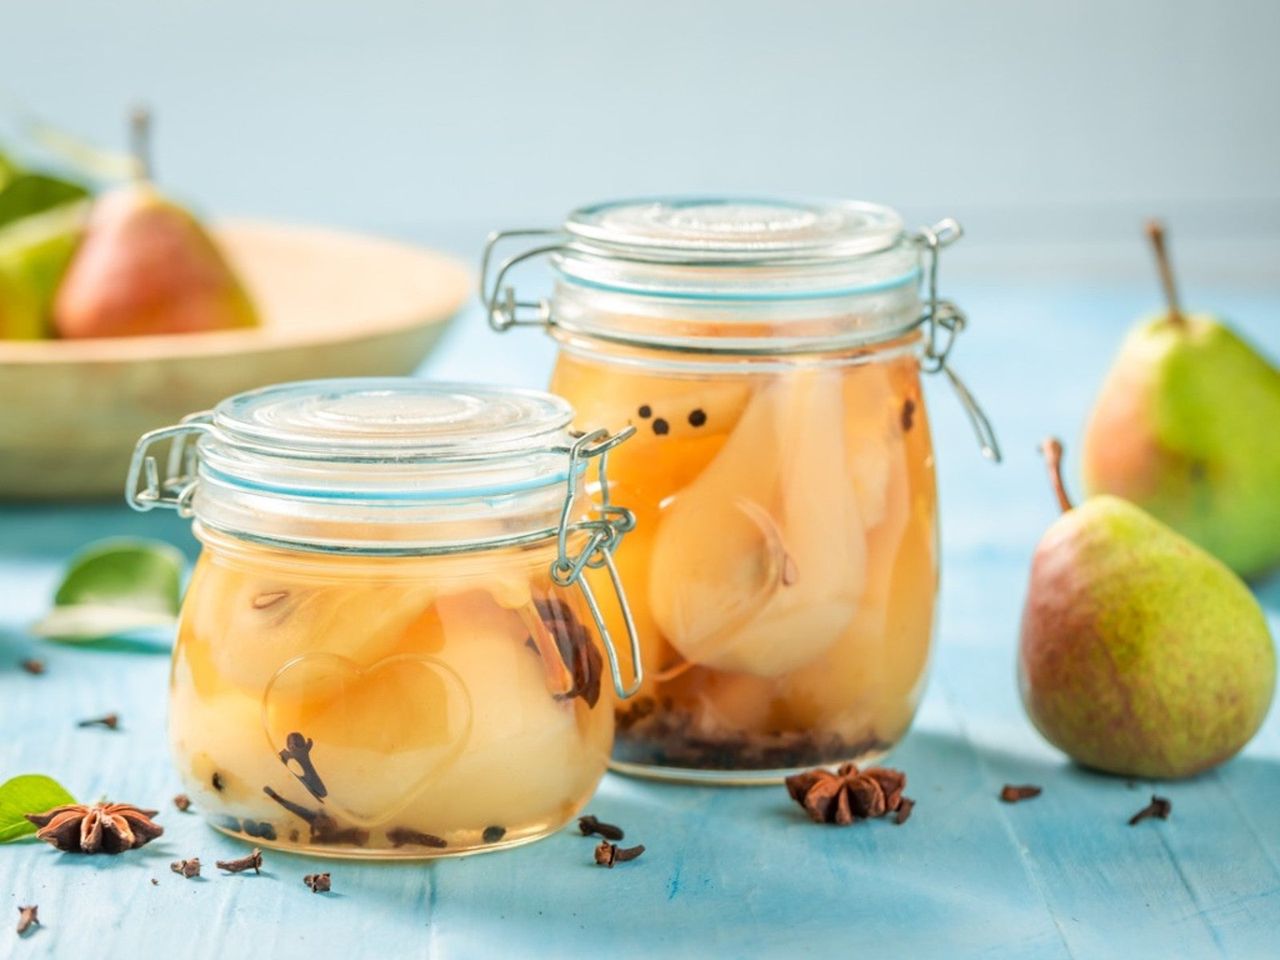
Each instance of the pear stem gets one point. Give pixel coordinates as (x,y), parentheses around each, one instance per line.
(140,142)
(1051,447)
(1155,233)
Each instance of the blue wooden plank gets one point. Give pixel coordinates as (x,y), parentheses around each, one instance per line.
(728,872)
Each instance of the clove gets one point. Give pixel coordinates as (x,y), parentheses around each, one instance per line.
(1014,793)
(403,836)
(318,882)
(607,854)
(1158,807)
(324,828)
(111,721)
(28,918)
(298,749)
(187,868)
(182,802)
(251,861)
(589,824)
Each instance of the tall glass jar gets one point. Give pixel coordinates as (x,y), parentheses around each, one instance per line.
(387,649)
(784,567)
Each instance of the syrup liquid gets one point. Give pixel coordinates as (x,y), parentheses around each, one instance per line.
(386,707)
(784,567)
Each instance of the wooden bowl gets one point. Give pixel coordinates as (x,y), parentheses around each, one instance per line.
(333,305)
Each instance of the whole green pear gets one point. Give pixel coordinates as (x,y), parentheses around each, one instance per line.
(20,317)
(1186,427)
(34,253)
(1140,653)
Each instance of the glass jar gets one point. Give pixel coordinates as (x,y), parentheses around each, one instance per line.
(784,567)
(387,648)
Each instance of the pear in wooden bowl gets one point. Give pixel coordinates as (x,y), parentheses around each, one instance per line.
(332,305)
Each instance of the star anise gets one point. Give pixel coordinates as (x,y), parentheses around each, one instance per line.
(99,828)
(849,794)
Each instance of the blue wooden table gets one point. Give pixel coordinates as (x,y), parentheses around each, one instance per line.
(729,872)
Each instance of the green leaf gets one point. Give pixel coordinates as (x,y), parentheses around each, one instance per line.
(26,193)
(29,793)
(114,587)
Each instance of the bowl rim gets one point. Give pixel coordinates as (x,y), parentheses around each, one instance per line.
(455,288)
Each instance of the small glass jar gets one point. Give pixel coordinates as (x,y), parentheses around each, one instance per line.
(387,648)
(784,568)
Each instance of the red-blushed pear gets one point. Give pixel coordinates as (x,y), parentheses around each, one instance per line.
(1140,654)
(145,266)
(1186,427)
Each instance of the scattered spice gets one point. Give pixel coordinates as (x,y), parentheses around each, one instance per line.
(298,749)
(645,411)
(589,825)
(908,414)
(155,882)
(1158,807)
(98,828)
(318,882)
(849,794)
(607,854)
(264,600)
(403,836)
(182,802)
(260,829)
(661,427)
(216,781)
(697,417)
(111,721)
(573,643)
(306,813)
(1012,793)
(28,917)
(493,834)
(33,666)
(660,732)
(187,868)
(324,828)
(251,861)
(905,806)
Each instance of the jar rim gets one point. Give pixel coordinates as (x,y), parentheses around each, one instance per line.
(400,419)
(712,230)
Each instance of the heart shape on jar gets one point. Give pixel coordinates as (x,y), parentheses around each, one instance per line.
(379,735)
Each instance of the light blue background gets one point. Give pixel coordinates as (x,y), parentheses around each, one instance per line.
(1031,120)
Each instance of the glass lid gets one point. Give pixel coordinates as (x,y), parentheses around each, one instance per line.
(715,229)
(393,439)
(399,419)
(397,466)
(734,250)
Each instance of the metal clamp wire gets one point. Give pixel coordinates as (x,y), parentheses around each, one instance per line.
(177,486)
(934,238)
(945,315)
(604,536)
(502,316)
